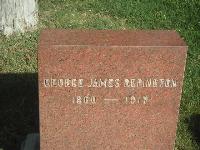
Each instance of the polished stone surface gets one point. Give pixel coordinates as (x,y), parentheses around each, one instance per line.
(110,90)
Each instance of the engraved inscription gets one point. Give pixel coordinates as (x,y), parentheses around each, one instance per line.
(111,83)
(84,99)
(128,100)
(107,83)
(134,100)
(52,82)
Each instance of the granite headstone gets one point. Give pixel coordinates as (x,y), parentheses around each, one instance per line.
(110,90)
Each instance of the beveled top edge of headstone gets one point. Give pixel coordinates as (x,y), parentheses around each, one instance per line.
(83,37)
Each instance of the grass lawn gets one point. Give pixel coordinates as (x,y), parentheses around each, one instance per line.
(18,58)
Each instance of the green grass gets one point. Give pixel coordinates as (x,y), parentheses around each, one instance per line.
(18,54)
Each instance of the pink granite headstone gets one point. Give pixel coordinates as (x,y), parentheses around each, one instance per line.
(110,90)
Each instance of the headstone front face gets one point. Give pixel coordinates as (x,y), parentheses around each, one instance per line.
(112,90)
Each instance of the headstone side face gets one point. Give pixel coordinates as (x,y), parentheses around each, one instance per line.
(107,96)
(18,16)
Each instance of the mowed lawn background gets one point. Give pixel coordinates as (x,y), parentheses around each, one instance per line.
(18,58)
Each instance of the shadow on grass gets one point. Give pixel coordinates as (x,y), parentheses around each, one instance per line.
(194,127)
(18,108)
